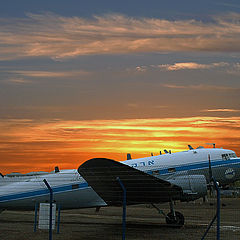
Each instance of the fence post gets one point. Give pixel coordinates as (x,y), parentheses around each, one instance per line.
(217,215)
(50,214)
(58,222)
(124,209)
(35,217)
(218,208)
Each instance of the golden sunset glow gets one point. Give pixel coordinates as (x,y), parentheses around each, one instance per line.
(31,145)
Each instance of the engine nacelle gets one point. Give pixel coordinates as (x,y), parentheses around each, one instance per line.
(193,186)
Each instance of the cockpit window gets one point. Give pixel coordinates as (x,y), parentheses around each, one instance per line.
(227,156)
(232,155)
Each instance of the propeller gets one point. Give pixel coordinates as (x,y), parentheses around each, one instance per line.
(213,144)
(210,168)
(210,175)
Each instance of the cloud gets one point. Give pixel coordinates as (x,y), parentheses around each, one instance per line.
(51,74)
(27,76)
(221,110)
(183,66)
(200,87)
(58,37)
(235,69)
(141,68)
(18,81)
(191,66)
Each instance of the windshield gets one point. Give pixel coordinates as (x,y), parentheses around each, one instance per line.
(227,156)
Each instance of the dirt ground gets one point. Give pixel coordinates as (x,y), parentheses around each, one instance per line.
(143,222)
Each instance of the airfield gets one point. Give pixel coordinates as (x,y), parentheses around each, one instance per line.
(143,222)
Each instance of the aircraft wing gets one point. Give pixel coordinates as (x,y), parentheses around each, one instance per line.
(101,174)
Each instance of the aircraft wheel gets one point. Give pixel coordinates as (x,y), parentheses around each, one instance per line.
(178,221)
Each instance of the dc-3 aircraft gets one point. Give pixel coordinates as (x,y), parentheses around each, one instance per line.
(183,176)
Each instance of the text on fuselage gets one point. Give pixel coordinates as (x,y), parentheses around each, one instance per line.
(143,163)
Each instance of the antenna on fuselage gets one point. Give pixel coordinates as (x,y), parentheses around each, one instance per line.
(166,151)
(160,152)
(129,157)
(213,144)
(152,154)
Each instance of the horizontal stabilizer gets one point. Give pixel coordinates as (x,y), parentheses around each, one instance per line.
(101,174)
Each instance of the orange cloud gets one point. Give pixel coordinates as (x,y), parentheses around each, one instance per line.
(51,74)
(186,66)
(63,37)
(191,66)
(28,76)
(221,110)
(28,145)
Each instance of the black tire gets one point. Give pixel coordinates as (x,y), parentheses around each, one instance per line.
(178,221)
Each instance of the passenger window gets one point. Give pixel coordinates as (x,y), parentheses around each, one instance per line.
(172,170)
(75,186)
(155,172)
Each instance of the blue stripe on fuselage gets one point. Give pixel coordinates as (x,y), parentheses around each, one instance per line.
(197,166)
(41,192)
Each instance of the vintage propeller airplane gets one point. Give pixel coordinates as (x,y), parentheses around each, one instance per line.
(169,177)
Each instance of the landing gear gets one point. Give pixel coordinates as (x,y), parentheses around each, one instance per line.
(173,218)
(178,219)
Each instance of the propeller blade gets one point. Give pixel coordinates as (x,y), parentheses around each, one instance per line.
(210,168)
(210,176)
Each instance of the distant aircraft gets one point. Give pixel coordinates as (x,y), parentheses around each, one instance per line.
(169,177)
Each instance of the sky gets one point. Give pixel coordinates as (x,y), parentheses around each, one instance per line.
(83,79)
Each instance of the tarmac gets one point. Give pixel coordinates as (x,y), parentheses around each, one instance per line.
(143,222)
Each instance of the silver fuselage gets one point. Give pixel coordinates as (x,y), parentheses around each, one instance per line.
(71,191)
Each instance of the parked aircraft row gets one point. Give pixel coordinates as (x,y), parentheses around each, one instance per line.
(183,176)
